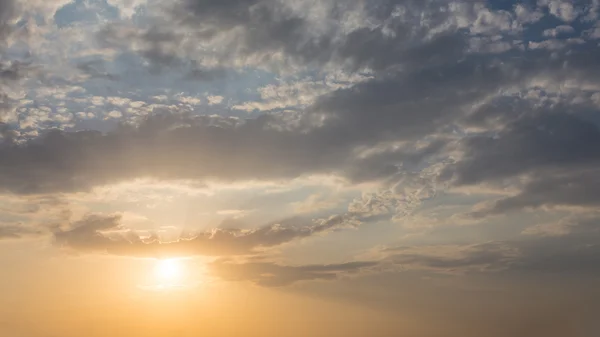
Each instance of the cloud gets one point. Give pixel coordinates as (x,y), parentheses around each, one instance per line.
(96,69)
(18,232)
(546,254)
(285,36)
(559,30)
(316,202)
(269,274)
(563,10)
(552,153)
(103,234)
(486,257)
(10,70)
(439,81)
(280,35)
(546,141)
(571,225)
(174,147)
(127,8)
(566,189)
(235,213)
(293,95)
(405,107)
(8,11)
(214,99)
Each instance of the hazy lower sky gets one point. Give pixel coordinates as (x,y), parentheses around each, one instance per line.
(274,168)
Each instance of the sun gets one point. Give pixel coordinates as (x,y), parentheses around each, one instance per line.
(168,271)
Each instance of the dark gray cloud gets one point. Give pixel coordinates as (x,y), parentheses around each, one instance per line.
(95,69)
(579,223)
(8,10)
(171,147)
(435,98)
(12,71)
(9,70)
(553,148)
(429,81)
(93,234)
(166,147)
(205,74)
(277,34)
(413,104)
(406,106)
(569,188)
(275,275)
(549,141)
(265,27)
(245,29)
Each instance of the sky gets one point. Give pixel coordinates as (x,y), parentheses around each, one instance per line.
(271,168)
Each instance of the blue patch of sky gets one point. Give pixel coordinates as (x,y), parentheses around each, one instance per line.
(136,77)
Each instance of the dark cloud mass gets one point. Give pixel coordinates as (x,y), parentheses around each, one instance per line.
(426,79)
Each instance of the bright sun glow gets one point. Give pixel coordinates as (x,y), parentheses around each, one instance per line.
(168,271)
